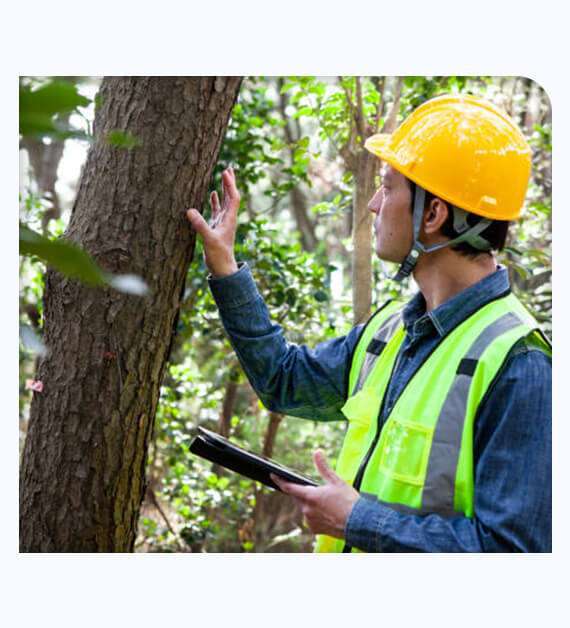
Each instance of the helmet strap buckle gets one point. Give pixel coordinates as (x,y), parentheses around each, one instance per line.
(461,226)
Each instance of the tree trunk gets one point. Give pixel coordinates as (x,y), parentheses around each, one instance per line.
(230,396)
(225,418)
(45,159)
(304,225)
(271,434)
(362,237)
(83,469)
(268,506)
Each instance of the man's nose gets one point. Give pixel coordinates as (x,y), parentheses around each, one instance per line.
(374,203)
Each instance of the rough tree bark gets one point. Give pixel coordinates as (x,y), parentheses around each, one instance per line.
(83,469)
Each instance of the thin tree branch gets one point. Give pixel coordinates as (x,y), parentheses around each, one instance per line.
(361,121)
(353,108)
(156,504)
(390,122)
(379,84)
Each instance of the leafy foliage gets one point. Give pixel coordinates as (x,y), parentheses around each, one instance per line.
(41,109)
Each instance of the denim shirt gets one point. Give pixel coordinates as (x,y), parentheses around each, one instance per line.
(512,438)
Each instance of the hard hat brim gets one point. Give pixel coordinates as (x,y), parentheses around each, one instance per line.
(380,146)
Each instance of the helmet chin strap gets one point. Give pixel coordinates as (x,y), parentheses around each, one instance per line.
(466,234)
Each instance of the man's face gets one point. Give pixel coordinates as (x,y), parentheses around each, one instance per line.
(393,222)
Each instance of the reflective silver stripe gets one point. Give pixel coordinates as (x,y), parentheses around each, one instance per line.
(439,487)
(383,334)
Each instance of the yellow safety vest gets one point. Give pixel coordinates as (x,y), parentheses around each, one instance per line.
(421,460)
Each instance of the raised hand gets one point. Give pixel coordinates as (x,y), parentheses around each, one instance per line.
(219,235)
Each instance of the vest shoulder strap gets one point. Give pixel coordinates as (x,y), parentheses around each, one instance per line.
(376,334)
(537,339)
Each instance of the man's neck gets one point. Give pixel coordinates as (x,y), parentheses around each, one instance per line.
(443,274)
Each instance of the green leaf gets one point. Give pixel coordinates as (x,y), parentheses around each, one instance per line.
(64,256)
(38,107)
(185,511)
(321,296)
(303,111)
(71,261)
(291,296)
(288,86)
(321,208)
(54,97)
(256,121)
(512,250)
(123,139)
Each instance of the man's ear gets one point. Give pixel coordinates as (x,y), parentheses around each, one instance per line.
(435,215)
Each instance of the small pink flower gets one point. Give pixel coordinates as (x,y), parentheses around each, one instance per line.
(34,384)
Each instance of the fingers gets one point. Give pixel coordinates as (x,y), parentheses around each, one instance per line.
(231,194)
(199,224)
(223,191)
(323,468)
(224,212)
(215,205)
(295,490)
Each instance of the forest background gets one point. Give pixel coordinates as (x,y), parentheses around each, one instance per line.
(296,144)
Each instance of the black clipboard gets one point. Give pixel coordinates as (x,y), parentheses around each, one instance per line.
(223,452)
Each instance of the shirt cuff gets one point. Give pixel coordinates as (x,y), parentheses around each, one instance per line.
(364,523)
(235,290)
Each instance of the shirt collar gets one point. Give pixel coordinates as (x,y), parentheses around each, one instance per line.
(454,311)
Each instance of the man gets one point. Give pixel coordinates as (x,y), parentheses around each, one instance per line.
(448,397)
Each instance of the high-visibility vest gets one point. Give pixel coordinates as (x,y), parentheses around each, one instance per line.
(421,460)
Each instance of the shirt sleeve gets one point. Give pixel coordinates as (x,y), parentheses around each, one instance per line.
(513,482)
(288,378)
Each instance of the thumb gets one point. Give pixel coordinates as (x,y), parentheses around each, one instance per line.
(323,468)
(198,223)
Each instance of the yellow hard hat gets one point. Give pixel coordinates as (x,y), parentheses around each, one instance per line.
(464,150)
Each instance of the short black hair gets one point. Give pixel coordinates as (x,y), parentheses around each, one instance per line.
(495,233)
